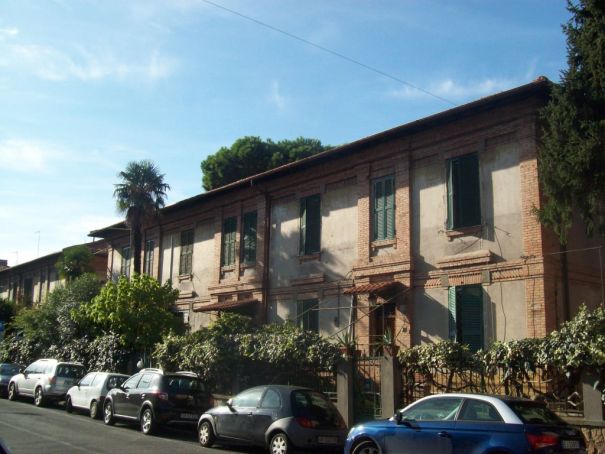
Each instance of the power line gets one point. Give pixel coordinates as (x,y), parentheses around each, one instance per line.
(330,51)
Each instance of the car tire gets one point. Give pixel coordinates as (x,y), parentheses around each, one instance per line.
(279,444)
(206,434)
(12,392)
(68,406)
(108,417)
(365,447)
(94,410)
(39,400)
(148,424)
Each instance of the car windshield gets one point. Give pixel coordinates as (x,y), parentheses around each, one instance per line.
(9,369)
(534,413)
(183,385)
(315,406)
(70,371)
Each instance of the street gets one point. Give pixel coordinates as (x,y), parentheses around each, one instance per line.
(25,428)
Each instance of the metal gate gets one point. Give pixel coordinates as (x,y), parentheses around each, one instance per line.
(366,398)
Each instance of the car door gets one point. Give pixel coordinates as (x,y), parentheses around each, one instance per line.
(267,412)
(121,398)
(30,378)
(477,425)
(425,428)
(237,422)
(79,392)
(139,394)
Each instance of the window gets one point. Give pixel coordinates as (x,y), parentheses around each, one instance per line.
(310,224)
(131,383)
(250,398)
(228,246)
(436,409)
(87,380)
(186,260)
(271,399)
(465,306)
(145,381)
(249,232)
(476,410)
(148,265)
(125,264)
(383,210)
(307,315)
(463,202)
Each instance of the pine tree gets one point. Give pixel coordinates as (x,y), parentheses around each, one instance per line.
(572,154)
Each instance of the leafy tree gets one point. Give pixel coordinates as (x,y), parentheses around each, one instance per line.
(138,310)
(251,155)
(74,262)
(572,155)
(139,196)
(8,309)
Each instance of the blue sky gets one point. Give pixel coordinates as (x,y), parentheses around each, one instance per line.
(88,85)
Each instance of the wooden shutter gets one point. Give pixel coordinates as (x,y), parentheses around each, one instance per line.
(229,230)
(451,164)
(470,313)
(469,200)
(378,233)
(249,249)
(389,207)
(303,226)
(451,308)
(310,224)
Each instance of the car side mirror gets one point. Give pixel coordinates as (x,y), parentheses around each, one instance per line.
(230,404)
(398,417)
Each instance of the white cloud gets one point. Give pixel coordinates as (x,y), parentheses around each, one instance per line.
(28,156)
(8,32)
(276,98)
(51,64)
(450,89)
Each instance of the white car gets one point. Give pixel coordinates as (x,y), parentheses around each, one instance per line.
(89,394)
(45,380)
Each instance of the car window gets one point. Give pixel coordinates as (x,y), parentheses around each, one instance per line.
(477,410)
(114,381)
(47,368)
(87,380)
(271,399)
(183,385)
(534,413)
(316,407)
(145,381)
(69,371)
(32,368)
(98,380)
(437,409)
(9,369)
(131,383)
(250,398)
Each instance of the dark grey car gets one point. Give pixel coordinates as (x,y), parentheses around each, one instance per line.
(7,371)
(276,416)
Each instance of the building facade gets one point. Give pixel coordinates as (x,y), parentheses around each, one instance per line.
(423,232)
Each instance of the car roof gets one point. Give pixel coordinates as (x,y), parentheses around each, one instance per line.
(56,361)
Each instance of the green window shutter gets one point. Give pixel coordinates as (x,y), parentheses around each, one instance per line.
(229,234)
(463,192)
(470,314)
(310,224)
(186,256)
(389,206)
(307,315)
(378,233)
(249,228)
(383,212)
(451,308)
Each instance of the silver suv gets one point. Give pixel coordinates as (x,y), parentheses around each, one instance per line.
(45,380)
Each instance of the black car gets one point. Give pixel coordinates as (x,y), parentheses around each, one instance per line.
(279,417)
(153,397)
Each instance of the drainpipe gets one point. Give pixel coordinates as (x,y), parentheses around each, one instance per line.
(266,254)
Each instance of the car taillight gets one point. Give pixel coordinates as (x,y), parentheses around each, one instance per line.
(162,396)
(52,380)
(307,423)
(542,440)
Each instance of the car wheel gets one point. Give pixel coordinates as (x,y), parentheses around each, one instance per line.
(206,434)
(148,424)
(12,392)
(68,406)
(279,444)
(365,447)
(94,409)
(108,417)
(39,400)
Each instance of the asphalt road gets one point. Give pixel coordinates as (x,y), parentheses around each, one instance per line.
(25,428)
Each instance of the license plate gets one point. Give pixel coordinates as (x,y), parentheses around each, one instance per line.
(189,416)
(327,440)
(570,444)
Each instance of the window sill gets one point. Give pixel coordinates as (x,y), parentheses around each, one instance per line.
(244,266)
(309,257)
(184,277)
(383,243)
(463,231)
(228,268)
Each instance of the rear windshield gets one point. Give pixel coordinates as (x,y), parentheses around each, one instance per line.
(9,369)
(534,413)
(70,371)
(314,406)
(183,385)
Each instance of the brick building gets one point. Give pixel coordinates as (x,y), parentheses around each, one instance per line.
(30,282)
(425,231)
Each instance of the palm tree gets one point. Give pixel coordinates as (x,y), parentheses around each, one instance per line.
(140,195)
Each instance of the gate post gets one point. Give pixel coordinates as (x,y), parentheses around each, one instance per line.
(344,389)
(593,405)
(390,385)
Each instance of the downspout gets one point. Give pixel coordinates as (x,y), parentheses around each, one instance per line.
(266,250)
(171,254)
(565,273)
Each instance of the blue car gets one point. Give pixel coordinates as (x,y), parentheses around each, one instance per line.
(468,424)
